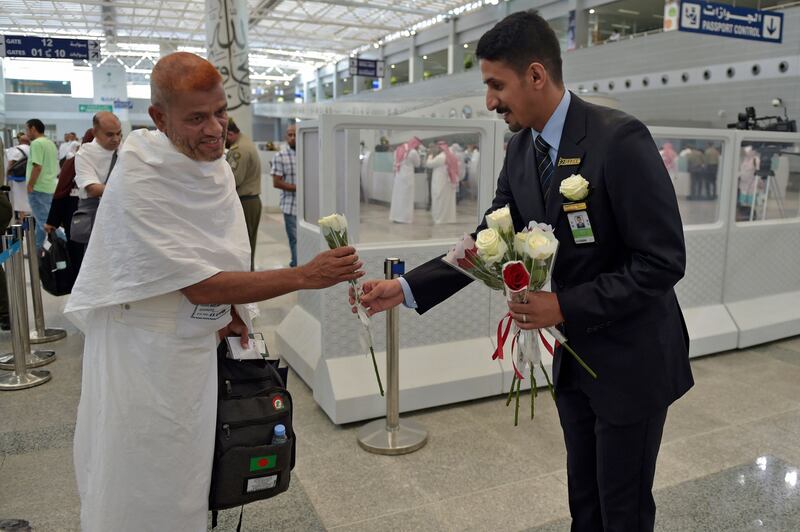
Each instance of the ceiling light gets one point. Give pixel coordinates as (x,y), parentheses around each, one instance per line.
(591,11)
(628,12)
(466,45)
(285,83)
(393,66)
(424,57)
(376,45)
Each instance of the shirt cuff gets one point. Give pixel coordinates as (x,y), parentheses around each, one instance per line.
(408,297)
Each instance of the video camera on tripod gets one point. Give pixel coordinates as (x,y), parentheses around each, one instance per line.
(749,120)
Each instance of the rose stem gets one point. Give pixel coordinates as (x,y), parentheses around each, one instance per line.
(375,365)
(516,409)
(549,384)
(511,391)
(533,392)
(580,360)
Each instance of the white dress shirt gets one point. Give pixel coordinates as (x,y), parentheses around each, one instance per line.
(67,149)
(92,163)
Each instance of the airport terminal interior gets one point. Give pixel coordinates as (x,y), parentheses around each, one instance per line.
(377,110)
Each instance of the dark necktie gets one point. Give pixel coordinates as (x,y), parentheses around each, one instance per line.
(544,165)
(113,162)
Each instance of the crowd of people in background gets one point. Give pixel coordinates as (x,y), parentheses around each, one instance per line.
(452,173)
(700,164)
(62,186)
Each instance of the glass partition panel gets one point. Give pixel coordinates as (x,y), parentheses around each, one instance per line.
(310,154)
(694,167)
(417,184)
(768,181)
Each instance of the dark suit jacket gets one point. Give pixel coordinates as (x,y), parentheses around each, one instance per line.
(617,297)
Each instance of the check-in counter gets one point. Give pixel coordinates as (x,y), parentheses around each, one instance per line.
(742,283)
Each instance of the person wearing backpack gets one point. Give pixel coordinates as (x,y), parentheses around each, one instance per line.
(17,161)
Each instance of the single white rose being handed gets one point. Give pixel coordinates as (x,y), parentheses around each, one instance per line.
(333,223)
(574,188)
(491,247)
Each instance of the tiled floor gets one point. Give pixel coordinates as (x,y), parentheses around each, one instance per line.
(729,459)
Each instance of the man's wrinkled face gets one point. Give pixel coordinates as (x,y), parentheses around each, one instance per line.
(291,137)
(508,92)
(108,134)
(196,122)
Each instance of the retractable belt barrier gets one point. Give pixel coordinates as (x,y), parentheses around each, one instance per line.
(390,436)
(21,358)
(40,334)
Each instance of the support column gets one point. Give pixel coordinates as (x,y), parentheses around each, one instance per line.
(455,52)
(336,89)
(6,142)
(581,23)
(318,94)
(305,92)
(226,41)
(414,63)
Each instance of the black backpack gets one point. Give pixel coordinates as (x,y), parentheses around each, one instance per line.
(56,270)
(17,170)
(252,399)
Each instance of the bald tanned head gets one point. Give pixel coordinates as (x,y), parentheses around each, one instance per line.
(189,105)
(107,130)
(178,73)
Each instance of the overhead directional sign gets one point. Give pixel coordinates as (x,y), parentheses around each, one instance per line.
(93,108)
(728,21)
(28,47)
(366,67)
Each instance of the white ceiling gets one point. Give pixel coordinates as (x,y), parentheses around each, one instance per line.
(305,31)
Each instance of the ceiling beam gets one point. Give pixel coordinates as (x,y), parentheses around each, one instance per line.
(364,5)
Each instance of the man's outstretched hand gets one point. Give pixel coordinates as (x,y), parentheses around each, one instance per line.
(379,295)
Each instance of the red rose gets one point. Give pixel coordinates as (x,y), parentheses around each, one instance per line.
(515,276)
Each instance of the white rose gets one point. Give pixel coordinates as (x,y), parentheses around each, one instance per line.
(491,247)
(574,188)
(500,220)
(540,244)
(520,240)
(334,222)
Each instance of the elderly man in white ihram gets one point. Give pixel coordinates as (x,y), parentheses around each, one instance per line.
(167,267)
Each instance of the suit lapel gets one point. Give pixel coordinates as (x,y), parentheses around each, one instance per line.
(574,131)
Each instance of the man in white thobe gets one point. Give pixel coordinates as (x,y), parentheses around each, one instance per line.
(167,267)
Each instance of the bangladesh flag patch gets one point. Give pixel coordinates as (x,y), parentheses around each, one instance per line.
(259,463)
(277,402)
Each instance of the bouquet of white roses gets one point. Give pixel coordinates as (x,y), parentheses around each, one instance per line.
(517,264)
(334,229)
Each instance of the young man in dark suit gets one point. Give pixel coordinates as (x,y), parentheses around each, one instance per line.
(613,293)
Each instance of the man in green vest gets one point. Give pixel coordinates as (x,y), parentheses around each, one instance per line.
(246,165)
(41,175)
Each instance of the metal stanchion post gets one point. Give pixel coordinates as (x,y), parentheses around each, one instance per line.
(390,436)
(21,377)
(41,334)
(19,301)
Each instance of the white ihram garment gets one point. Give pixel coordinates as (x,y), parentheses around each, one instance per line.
(402,207)
(443,191)
(144,438)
